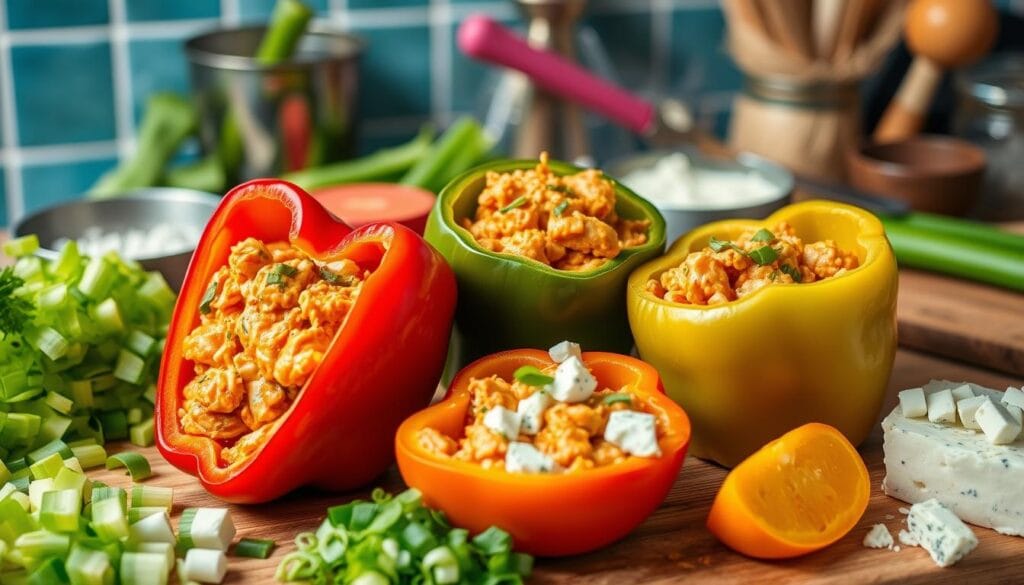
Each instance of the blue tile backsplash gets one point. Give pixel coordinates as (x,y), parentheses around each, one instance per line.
(75,74)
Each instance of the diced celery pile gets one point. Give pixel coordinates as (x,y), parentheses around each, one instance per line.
(80,346)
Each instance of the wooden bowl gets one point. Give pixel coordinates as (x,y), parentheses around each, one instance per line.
(931,173)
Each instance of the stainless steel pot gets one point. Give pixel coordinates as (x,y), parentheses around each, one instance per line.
(277,118)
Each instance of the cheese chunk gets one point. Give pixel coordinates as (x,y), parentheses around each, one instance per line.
(563,350)
(1015,412)
(502,421)
(633,432)
(908,539)
(940,532)
(573,381)
(525,458)
(1013,396)
(1000,428)
(941,406)
(878,537)
(962,392)
(531,412)
(912,402)
(977,480)
(967,407)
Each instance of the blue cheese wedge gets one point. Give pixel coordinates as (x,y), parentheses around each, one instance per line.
(980,482)
(940,532)
(573,381)
(531,412)
(525,458)
(633,432)
(878,537)
(502,421)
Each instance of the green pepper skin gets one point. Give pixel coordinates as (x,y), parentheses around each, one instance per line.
(509,302)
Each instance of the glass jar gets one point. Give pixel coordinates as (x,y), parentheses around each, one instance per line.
(990,113)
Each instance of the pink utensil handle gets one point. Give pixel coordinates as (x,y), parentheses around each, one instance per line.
(484,39)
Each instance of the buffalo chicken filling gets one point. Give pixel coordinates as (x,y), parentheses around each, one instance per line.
(266,321)
(728,270)
(566,424)
(567,222)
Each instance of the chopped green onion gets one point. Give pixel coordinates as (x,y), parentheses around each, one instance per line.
(86,566)
(493,541)
(718,245)
(163,548)
(764,255)
(90,455)
(47,467)
(442,566)
(562,189)
(763,235)
(286,270)
(60,510)
(152,528)
(253,548)
(138,513)
(617,397)
(208,296)
(130,367)
(276,278)
(205,566)
(517,202)
(561,207)
(140,343)
(108,518)
(59,402)
(143,568)
(142,433)
(793,272)
(210,528)
(532,376)
(54,446)
(114,425)
(136,465)
(152,496)
(41,544)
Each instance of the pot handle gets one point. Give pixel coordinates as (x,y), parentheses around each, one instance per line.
(484,39)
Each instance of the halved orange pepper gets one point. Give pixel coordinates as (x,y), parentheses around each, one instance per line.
(546,514)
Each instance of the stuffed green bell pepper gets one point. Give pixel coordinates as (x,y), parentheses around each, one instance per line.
(542,252)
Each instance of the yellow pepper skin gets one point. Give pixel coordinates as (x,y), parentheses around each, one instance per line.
(750,370)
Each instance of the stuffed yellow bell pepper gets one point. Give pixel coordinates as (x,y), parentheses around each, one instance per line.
(752,362)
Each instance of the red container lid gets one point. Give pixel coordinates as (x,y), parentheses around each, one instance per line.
(362,203)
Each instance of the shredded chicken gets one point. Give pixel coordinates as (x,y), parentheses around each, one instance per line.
(263,331)
(568,222)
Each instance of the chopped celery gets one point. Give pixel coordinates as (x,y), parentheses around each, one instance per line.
(48,341)
(136,514)
(89,567)
(140,343)
(90,455)
(152,496)
(47,467)
(143,568)
(60,510)
(97,278)
(55,446)
(59,403)
(142,433)
(108,519)
(130,367)
(22,246)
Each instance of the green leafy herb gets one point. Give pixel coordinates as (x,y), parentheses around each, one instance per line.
(335,278)
(531,376)
(276,278)
(517,202)
(774,275)
(286,270)
(562,189)
(793,272)
(764,255)
(763,235)
(617,397)
(204,303)
(561,207)
(719,245)
(15,311)
(361,541)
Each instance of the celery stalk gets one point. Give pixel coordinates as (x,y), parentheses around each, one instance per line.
(458,149)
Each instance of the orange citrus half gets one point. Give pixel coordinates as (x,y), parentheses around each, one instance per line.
(797,494)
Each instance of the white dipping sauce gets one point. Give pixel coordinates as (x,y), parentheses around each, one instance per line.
(161,240)
(675,182)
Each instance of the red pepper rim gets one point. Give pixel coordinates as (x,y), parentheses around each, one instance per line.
(306,216)
(647,385)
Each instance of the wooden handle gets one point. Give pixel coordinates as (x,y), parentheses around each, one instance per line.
(905,115)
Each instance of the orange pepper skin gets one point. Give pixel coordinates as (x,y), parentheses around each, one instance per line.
(383,364)
(546,514)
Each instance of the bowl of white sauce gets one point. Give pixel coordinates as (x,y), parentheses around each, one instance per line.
(157,227)
(691,189)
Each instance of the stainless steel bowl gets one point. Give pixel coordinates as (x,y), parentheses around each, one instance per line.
(281,117)
(141,209)
(680,220)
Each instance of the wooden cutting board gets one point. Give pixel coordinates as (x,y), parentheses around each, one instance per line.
(673,544)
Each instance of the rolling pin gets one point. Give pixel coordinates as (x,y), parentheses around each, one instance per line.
(942,34)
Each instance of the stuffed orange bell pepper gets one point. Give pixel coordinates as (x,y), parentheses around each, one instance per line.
(758,327)
(573,491)
(297,346)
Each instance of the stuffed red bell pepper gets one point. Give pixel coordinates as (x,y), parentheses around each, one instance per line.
(297,346)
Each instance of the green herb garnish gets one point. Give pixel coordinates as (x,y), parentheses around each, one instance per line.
(531,376)
(793,272)
(517,202)
(286,270)
(204,303)
(15,311)
(561,207)
(764,255)
(719,245)
(763,235)
(562,189)
(335,278)
(275,278)
(617,397)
